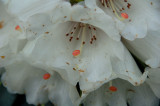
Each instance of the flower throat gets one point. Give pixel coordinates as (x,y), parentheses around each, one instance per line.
(117,10)
(77,32)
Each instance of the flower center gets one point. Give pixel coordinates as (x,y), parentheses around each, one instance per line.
(78,31)
(116,8)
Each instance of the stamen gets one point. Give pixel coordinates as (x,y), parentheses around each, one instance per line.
(120,16)
(46,76)
(79,29)
(83,37)
(112,88)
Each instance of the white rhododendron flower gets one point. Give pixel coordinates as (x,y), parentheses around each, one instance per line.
(21,78)
(12,38)
(79,49)
(48,47)
(126,94)
(133,18)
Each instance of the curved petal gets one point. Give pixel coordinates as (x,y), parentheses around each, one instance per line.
(28,8)
(97,19)
(125,94)
(143,15)
(23,78)
(146,49)
(11,40)
(64,12)
(99,62)
(153,80)
(20,77)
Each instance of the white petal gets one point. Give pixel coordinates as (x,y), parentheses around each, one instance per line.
(98,19)
(100,63)
(126,93)
(153,80)
(145,49)
(28,8)
(62,93)
(11,40)
(23,78)
(143,15)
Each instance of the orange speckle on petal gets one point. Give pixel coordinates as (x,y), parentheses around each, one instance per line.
(2,57)
(46,76)
(113,88)
(76,52)
(18,28)
(124,15)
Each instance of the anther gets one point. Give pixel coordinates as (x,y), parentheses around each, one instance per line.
(67,34)
(46,76)
(76,52)
(124,15)
(18,28)
(113,88)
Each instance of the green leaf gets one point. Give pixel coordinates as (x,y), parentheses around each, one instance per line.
(75,1)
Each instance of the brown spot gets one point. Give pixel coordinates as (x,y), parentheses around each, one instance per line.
(127,71)
(71,18)
(82,19)
(151,3)
(136,35)
(85,7)
(84,91)
(1,24)
(65,16)
(47,32)
(81,70)
(2,57)
(67,63)
(136,83)
(128,5)
(43,25)
(101,82)
(131,90)
(74,69)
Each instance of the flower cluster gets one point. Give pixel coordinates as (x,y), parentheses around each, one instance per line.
(47,47)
